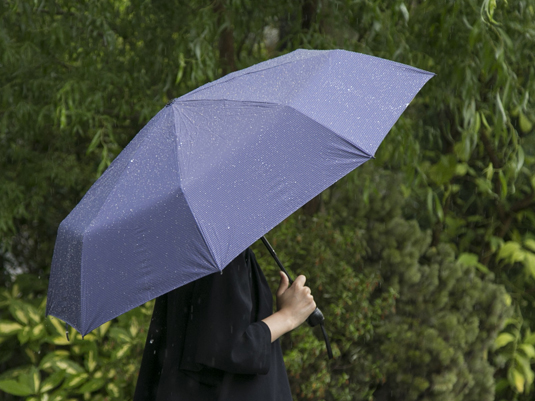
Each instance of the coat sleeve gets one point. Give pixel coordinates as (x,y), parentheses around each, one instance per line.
(222,332)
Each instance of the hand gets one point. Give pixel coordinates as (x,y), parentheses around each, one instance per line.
(295,302)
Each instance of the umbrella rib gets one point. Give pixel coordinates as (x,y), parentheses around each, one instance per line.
(365,152)
(180,116)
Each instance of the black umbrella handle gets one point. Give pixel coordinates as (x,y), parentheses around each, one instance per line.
(317,316)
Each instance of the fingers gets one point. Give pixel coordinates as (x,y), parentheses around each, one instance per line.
(300,281)
(283,286)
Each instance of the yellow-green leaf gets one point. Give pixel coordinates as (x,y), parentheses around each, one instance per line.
(530,244)
(134,327)
(69,367)
(33,314)
(518,381)
(38,330)
(104,328)
(92,385)
(60,328)
(113,390)
(49,359)
(59,340)
(503,339)
(20,314)
(75,380)
(91,360)
(8,327)
(529,263)
(52,381)
(36,379)
(511,251)
(525,124)
(120,353)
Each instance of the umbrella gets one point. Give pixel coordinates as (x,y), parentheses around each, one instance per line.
(215,170)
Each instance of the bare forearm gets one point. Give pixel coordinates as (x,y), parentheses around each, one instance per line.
(279,323)
(294,305)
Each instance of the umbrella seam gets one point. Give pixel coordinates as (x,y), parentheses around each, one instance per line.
(366,153)
(176,109)
(83,287)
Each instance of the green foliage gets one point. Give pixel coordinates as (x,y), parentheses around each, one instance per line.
(101,366)
(330,255)
(79,79)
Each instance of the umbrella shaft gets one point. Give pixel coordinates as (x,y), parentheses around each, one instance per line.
(272,252)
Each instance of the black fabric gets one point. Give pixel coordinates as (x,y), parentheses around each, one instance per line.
(207,342)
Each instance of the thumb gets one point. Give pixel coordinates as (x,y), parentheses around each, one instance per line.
(283,286)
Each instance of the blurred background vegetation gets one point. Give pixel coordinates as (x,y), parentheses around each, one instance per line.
(423,260)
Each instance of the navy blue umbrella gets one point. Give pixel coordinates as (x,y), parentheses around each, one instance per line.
(215,170)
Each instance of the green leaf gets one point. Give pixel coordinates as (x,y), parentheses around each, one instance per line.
(525,124)
(528,349)
(38,331)
(530,339)
(503,185)
(113,390)
(182,65)
(490,171)
(91,360)
(471,259)
(461,169)
(60,328)
(49,359)
(503,339)
(35,379)
(530,244)
(20,313)
(8,327)
(443,171)
(519,159)
(524,363)
(529,263)
(92,385)
(95,141)
(517,380)
(15,387)
(103,329)
(75,380)
(438,208)
(122,351)
(511,251)
(68,366)
(120,334)
(52,381)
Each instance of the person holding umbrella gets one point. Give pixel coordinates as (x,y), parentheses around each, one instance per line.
(217,338)
(210,174)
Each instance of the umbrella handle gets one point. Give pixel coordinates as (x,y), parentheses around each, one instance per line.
(317,316)
(272,252)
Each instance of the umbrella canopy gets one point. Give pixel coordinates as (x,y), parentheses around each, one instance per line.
(216,169)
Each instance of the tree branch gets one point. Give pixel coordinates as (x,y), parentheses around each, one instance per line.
(226,40)
(490,150)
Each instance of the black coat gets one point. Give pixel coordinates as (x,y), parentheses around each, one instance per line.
(207,342)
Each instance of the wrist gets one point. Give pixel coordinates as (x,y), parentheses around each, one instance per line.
(287,318)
